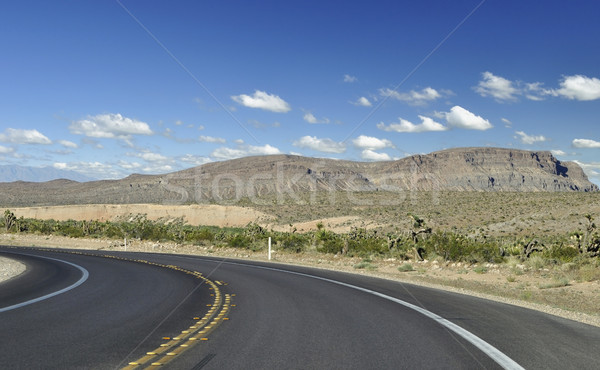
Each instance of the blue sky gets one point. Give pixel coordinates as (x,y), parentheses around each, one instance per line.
(110,88)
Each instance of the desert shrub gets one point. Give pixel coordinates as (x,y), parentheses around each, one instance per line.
(365,243)
(456,247)
(536,261)
(329,242)
(199,234)
(238,241)
(365,264)
(293,242)
(406,267)
(560,253)
(589,272)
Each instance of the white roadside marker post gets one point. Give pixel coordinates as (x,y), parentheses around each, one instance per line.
(269,248)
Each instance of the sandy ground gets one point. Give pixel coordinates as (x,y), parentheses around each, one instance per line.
(194,214)
(509,283)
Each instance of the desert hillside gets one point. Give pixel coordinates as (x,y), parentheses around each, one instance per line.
(253,178)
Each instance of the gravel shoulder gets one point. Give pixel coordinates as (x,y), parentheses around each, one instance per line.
(10,268)
(579,301)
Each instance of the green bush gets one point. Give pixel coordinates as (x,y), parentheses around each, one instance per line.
(293,242)
(239,241)
(329,242)
(365,243)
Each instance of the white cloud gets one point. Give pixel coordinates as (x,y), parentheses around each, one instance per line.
(412,97)
(497,87)
(310,118)
(370,155)
(362,102)
(585,143)
(161,168)
(427,124)
(592,169)
(210,139)
(92,169)
(350,79)
(262,100)
(156,162)
(194,159)
(507,123)
(321,145)
(6,150)
(557,152)
(129,165)
(20,136)
(372,143)
(528,139)
(68,144)
(244,151)
(111,126)
(153,157)
(579,87)
(461,118)
(576,87)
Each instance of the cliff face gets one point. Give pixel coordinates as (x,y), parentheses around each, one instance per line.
(492,169)
(461,169)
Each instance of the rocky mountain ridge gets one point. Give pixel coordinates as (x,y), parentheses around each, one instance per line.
(459,169)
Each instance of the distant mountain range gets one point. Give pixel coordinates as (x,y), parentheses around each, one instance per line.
(460,169)
(10,173)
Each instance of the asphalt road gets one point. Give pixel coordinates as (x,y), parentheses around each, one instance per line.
(280,317)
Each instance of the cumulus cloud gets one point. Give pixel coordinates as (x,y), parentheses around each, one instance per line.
(194,160)
(585,143)
(130,165)
(372,143)
(557,152)
(6,150)
(68,144)
(91,169)
(579,87)
(244,151)
(20,136)
(370,155)
(507,123)
(111,126)
(427,124)
(211,139)
(412,97)
(325,145)
(461,118)
(262,100)
(591,169)
(149,156)
(350,79)
(529,139)
(310,118)
(498,87)
(362,102)
(576,87)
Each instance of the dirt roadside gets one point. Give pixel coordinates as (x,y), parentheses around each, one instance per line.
(10,268)
(513,284)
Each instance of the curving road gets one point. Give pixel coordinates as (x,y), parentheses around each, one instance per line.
(280,317)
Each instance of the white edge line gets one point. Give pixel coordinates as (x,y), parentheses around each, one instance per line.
(495,354)
(84,277)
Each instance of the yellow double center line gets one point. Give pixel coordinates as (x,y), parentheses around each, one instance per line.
(199,331)
(166,352)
